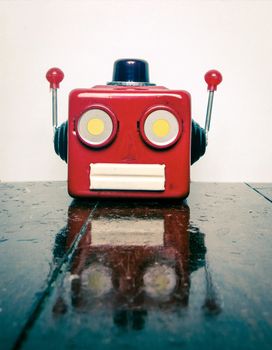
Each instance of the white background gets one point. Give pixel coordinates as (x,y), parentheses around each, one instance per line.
(181,40)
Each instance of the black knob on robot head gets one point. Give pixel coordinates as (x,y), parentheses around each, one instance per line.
(130,70)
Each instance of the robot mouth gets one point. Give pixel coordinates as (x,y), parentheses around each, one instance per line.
(127,177)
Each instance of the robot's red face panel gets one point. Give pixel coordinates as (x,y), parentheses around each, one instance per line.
(129,142)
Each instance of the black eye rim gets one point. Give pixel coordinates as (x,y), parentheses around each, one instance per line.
(114,131)
(142,124)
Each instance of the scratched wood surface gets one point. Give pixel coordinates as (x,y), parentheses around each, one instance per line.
(113,275)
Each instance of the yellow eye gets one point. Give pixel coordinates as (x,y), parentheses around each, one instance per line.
(161,127)
(160,281)
(97,279)
(96,126)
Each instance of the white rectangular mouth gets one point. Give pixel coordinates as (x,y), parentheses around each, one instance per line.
(135,177)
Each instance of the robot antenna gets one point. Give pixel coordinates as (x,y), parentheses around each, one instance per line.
(54,76)
(212,78)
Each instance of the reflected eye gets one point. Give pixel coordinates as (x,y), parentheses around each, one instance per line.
(96,127)
(160,128)
(97,280)
(159,281)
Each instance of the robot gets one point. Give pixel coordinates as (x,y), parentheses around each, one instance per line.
(130,138)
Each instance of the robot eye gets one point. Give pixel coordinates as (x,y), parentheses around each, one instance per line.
(97,127)
(160,128)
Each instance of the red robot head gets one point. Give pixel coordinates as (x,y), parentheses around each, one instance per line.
(130,138)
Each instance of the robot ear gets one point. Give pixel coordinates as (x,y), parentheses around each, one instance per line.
(198,142)
(60,140)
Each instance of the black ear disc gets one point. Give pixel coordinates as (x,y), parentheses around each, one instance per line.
(198,141)
(61,140)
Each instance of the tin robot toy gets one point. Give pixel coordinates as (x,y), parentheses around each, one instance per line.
(130,138)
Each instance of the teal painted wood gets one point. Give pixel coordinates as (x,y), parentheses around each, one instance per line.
(104,297)
(30,215)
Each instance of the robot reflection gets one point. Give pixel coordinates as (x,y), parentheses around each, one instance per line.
(132,261)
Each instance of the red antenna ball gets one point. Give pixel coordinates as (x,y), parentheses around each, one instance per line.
(213,78)
(54,76)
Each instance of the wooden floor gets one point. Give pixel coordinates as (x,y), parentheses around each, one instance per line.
(136,275)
